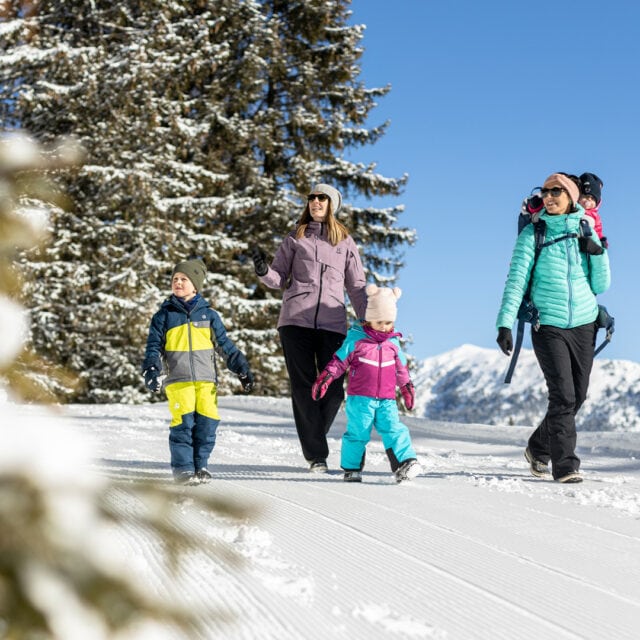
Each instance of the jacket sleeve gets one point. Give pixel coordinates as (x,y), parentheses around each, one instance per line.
(280,270)
(224,346)
(599,272)
(355,281)
(336,367)
(155,342)
(402,374)
(341,359)
(402,370)
(518,278)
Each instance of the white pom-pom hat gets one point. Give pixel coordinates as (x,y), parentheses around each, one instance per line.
(381,303)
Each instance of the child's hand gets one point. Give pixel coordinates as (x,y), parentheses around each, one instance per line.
(321,385)
(152,379)
(408,395)
(534,203)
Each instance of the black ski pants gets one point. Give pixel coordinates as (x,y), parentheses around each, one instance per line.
(306,353)
(565,357)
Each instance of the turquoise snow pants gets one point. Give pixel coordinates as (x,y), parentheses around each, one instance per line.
(364,413)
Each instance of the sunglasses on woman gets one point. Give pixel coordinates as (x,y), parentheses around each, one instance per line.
(554,191)
(321,197)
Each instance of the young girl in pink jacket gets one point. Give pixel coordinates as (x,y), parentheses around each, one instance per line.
(372,353)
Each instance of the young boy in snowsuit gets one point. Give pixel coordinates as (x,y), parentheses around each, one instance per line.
(372,353)
(182,338)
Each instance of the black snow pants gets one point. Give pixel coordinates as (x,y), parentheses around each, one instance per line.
(306,353)
(565,357)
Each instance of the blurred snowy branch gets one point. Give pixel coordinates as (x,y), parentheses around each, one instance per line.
(64,573)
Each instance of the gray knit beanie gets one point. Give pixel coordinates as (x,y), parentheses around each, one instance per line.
(195,270)
(333,193)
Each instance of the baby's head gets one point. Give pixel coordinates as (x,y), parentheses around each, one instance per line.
(590,190)
(188,278)
(381,310)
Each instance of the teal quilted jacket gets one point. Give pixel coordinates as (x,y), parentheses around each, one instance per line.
(565,281)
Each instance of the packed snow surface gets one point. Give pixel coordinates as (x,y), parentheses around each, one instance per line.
(475,547)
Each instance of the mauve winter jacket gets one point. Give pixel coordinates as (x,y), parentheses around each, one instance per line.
(314,275)
(375,361)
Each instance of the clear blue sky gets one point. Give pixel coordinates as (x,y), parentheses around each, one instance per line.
(487,99)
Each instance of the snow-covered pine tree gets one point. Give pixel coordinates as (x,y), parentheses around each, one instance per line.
(135,82)
(205,122)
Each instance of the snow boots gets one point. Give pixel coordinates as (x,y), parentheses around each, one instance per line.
(408,470)
(352,476)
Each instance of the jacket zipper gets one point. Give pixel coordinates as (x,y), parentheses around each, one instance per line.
(570,251)
(322,270)
(379,371)
(193,371)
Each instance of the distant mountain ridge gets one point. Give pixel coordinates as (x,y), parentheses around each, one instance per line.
(466,385)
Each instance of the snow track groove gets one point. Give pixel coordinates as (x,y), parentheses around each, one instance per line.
(482,574)
(473,549)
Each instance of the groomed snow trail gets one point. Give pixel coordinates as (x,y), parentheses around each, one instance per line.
(473,548)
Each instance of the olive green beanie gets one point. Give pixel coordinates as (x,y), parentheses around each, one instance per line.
(195,270)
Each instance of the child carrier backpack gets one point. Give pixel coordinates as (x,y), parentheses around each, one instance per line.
(527,313)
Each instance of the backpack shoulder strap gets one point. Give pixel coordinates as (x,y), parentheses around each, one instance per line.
(539,233)
(539,236)
(585,227)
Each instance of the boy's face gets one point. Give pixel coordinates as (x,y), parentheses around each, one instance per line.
(384,326)
(182,287)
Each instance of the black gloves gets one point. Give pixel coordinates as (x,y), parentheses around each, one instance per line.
(246,380)
(259,260)
(151,379)
(505,340)
(587,245)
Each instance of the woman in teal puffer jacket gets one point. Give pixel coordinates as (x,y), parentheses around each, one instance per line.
(568,274)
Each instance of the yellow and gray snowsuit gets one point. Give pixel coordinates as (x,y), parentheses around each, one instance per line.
(183,339)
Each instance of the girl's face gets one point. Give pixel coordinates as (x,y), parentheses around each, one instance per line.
(182,287)
(556,200)
(318,206)
(384,326)
(588,202)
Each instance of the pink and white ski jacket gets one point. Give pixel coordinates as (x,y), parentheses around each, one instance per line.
(597,220)
(375,361)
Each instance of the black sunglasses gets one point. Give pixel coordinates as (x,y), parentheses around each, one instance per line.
(321,196)
(554,191)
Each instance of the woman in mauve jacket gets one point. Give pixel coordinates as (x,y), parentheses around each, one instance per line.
(570,270)
(314,265)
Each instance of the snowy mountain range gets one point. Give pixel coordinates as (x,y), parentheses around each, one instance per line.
(467,385)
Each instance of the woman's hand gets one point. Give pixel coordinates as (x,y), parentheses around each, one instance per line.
(587,245)
(505,340)
(259,260)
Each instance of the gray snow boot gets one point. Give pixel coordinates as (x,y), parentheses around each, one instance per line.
(538,468)
(408,470)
